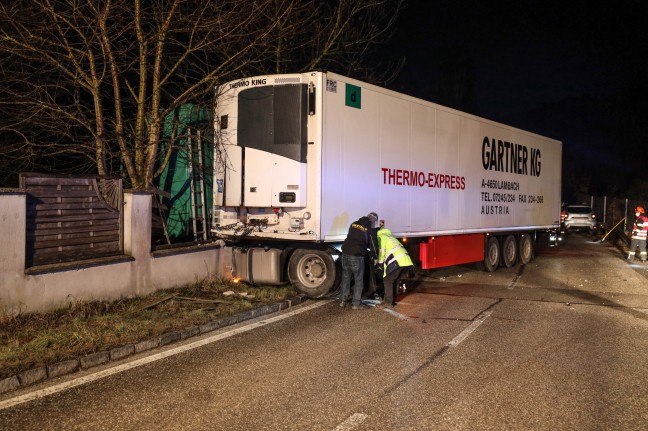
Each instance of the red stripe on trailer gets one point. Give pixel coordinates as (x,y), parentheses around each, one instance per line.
(450,250)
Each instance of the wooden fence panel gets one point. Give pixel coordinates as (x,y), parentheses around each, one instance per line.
(72,218)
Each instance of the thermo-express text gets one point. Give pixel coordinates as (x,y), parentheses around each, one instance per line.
(402,177)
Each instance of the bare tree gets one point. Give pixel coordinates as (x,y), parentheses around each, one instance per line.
(94,80)
(339,36)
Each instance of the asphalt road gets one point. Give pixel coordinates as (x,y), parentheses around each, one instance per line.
(560,343)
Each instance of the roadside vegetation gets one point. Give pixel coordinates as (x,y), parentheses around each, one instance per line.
(35,339)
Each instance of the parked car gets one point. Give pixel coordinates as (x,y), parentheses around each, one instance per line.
(579,217)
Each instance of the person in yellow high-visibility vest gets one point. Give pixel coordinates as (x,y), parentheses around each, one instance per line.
(394,259)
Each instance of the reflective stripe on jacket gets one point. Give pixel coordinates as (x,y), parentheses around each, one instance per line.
(391,252)
(640,228)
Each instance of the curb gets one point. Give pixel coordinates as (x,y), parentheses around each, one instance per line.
(49,371)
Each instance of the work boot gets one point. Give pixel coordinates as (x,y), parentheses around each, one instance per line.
(360,307)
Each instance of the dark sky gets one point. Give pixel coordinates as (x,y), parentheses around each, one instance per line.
(572,70)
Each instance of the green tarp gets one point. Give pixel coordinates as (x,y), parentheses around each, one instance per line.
(185,124)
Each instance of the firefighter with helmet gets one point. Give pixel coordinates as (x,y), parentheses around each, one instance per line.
(639,233)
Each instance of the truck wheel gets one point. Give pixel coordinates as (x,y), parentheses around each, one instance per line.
(492,257)
(526,249)
(509,251)
(312,272)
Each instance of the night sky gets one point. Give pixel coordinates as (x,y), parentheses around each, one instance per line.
(571,70)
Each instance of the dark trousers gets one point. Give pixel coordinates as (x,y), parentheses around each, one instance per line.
(353,267)
(391,285)
(641,243)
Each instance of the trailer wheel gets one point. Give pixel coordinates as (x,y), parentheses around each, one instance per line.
(312,272)
(526,249)
(509,251)
(492,257)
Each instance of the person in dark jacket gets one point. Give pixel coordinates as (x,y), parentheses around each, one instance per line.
(361,242)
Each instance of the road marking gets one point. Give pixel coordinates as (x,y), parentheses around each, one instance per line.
(375,303)
(152,358)
(470,329)
(518,274)
(396,314)
(352,422)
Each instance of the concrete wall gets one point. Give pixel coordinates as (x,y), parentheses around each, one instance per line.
(140,272)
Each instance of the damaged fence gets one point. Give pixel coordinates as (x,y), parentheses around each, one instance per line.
(616,215)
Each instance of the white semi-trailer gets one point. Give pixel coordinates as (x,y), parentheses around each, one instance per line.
(301,156)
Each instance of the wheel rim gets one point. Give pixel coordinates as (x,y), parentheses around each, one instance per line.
(493,254)
(525,248)
(311,270)
(509,250)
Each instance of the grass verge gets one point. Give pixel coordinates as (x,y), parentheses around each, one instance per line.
(35,339)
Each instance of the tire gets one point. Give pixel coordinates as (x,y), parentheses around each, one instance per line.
(492,254)
(313,272)
(526,249)
(509,251)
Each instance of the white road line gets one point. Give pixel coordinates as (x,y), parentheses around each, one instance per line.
(469,330)
(152,358)
(515,279)
(352,422)
(396,314)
